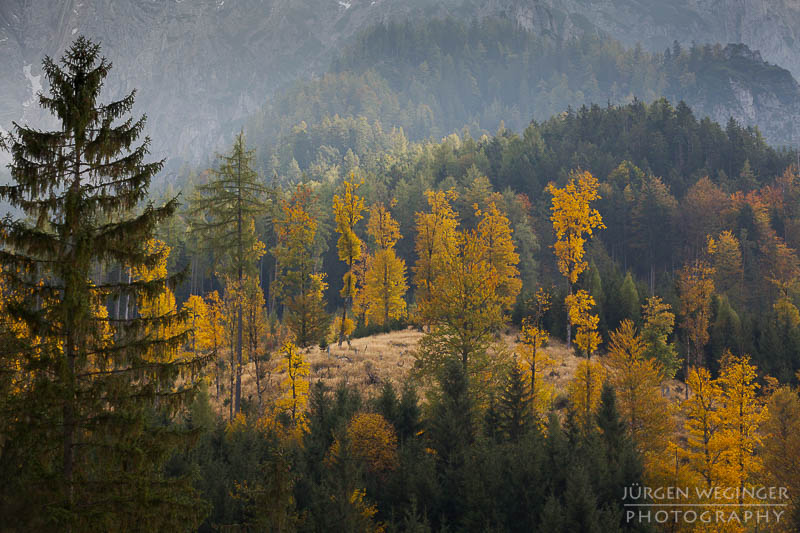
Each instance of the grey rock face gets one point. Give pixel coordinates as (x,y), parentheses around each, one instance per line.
(770,26)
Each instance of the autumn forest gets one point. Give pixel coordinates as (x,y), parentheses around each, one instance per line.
(339,327)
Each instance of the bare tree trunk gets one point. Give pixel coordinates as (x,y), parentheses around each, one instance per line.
(569,324)
(119,300)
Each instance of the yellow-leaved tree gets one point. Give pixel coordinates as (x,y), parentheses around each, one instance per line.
(574,220)
(347,210)
(585,390)
(532,338)
(159,306)
(295,384)
(704,426)
(372,440)
(695,288)
(637,383)
(436,242)
(298,281)
(742,412)
(196,310)
(255,326)
(467,301)
(210,334)
(579,306)
(495,238)
(781,445)
(385,284)
(727,253)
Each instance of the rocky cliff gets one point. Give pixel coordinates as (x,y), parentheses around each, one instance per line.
(770,26)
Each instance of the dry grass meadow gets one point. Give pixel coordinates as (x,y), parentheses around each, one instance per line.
(368,362)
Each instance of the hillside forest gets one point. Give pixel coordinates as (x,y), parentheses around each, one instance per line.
(341,326)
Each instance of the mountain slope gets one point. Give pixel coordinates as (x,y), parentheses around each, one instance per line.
(434,77)
(202,66)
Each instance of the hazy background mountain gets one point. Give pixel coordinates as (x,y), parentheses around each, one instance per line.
(203,67)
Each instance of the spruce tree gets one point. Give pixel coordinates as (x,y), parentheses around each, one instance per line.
(223,212)
(89,392)
(514,405)
(628,300)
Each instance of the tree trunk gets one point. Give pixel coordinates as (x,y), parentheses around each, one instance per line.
(342,325)
(119,300)
(241,275)
(533,374)
(232,389)
(238,368)
(69,421)
(386,297)
(569,324)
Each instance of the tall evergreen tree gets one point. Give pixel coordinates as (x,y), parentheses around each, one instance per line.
(514,409)
(82,414)
(628,300)
(224,210)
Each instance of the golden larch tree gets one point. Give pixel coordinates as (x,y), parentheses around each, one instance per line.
(585,389)
(467,301)
(637,383)
(373,440)
(295,395)
(704,426)
(297,281)
(495,234)
(781,443)
(437,235)
(695,288)
(532,338)
(579,306)
(574,220)
(727,263)
(385,283)
(347,212)
(742,412)
(255,328)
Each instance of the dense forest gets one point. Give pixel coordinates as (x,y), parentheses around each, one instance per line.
(434,77)
(173,357)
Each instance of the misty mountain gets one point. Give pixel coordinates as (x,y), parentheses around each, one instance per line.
(203,67)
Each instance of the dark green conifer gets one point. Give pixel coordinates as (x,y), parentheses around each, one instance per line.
(93,391)
(630,307)
(514,412)
(222,211)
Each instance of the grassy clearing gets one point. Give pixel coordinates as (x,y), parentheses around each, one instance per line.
(368,362)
